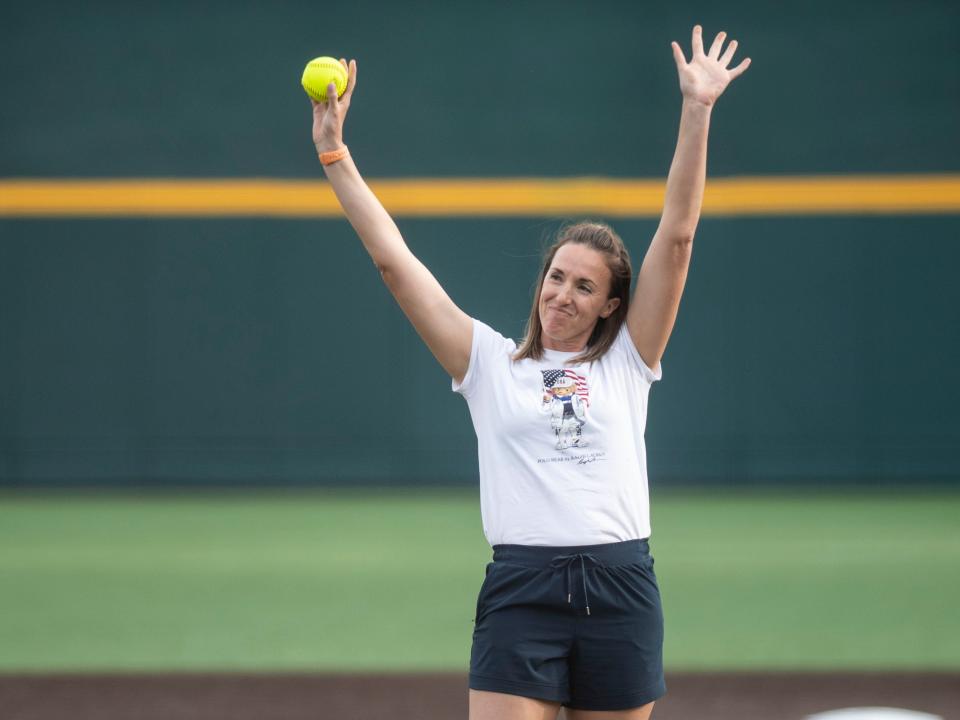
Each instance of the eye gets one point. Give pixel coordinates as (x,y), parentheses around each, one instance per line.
(586,289)
(554,275)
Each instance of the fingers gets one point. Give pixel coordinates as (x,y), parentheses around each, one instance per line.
(331,94)
(697,41)
(345,98)
(351,69)
(728,55)
(715,49)
(678,55)
(351,77)
(717,44)
(739,69)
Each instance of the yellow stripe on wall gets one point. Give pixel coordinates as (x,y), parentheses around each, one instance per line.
(480,197)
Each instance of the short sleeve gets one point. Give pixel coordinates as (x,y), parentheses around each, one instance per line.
(624,345)
(486,347)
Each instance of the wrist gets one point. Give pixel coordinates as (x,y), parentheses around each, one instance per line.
(697,105)
(328,145)
(332,156)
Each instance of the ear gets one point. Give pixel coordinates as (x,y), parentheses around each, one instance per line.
(612,304)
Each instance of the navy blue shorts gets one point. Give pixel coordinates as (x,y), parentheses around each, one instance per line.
(581,626)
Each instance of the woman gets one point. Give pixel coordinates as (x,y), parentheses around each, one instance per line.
(569,612)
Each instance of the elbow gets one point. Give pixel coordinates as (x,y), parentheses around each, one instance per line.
(680,234)
(387,274)
(389,262)
(384,270)
(678,240)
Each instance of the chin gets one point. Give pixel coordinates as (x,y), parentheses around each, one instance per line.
(553,331)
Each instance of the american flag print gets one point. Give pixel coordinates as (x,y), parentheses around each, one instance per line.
(550,378)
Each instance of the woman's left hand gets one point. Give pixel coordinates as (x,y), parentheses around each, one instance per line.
(706,76)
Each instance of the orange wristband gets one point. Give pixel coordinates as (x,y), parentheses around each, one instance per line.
(328,158)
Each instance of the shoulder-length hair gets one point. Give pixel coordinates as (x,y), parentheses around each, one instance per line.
(603,239)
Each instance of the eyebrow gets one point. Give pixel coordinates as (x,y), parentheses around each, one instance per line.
(580,279)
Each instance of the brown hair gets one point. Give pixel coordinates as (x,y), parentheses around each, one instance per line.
(603,239)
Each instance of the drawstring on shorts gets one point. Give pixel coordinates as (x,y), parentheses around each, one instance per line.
(566,562)
(567,557)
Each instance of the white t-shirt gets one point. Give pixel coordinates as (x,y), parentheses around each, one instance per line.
(562,456)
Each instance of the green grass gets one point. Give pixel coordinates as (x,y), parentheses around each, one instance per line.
(377,581)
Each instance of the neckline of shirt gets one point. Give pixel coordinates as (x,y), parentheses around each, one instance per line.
(558,355)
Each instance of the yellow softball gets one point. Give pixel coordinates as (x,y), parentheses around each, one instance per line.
(319,73)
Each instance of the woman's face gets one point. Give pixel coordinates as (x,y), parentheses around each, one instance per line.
(574,296)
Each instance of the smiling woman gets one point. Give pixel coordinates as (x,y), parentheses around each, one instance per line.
(569,611)
(582,295)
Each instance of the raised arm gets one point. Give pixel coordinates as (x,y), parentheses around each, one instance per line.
(445,328)
(656,300)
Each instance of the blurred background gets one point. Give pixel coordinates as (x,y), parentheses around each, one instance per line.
(804,443)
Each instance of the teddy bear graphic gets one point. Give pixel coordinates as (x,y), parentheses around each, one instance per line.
(565,400)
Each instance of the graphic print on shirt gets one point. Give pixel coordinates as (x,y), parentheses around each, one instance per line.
(566,398)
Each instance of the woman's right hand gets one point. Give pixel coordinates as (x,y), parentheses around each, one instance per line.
(328,116)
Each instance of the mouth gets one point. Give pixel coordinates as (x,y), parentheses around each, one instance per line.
(559,311)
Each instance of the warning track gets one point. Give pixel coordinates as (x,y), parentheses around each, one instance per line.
(205,696)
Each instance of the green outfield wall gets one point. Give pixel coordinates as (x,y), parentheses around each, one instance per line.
(813,347)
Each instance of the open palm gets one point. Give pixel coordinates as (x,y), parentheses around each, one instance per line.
(706,76)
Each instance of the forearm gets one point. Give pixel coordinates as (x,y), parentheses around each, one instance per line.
(446,329)
(377,230)
(411,283)
(688,172)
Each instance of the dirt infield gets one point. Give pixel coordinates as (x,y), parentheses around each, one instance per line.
(691,696)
